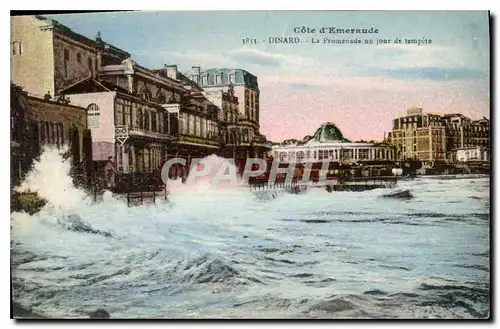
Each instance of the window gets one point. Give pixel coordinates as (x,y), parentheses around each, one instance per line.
(93,116)
(185,123)
(119,112)
(231,78)
(66,60)
(218,80)
(47,132)
(128,113)
(282,156)
(17,48)
(191,124)
(138,119)
(203,128)
(153,121)
(146,120)
(79,58)
(161,99)
(60,134)
(160,122)
(300,156)
(166,123)
(90,64)
(204,81)
(146,94)
(320,155)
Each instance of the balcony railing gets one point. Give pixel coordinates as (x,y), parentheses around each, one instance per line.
(123,132)
(133,131)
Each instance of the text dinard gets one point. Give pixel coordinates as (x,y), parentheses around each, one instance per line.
(334,30)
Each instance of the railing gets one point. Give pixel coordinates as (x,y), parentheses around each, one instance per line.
(336,183)
(136,198)
(138,181)
(133,131)
(139,187)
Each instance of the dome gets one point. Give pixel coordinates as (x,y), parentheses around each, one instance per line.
(328,132)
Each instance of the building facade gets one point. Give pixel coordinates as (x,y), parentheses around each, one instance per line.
(468,154)
(37,122)
(47,57)
(249,142)
(328,143)
(139,117)
(431,137)
(133,114)
(199,131)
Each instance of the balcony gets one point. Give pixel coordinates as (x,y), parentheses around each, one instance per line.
(139,132)
(123,132)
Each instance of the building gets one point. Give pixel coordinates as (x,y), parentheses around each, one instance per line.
(468,154)
(199,133)
(47,56)
(37,122)
(328,143)
(244,86)
(133,114)
(228,104)
(431,137)
(419,136)
(139,117)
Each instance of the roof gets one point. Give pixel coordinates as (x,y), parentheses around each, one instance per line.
(85,85)
(64,29)
(240,77)
(327,133)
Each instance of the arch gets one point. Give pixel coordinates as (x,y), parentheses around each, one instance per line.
(160,97)
(146,94)
(93,116)
(283,156)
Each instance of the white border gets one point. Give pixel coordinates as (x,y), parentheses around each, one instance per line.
(199,5)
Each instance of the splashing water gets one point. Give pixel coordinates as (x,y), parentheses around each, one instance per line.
(221,252)
(50,179)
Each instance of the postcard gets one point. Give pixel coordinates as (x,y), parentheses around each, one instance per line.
(250,165)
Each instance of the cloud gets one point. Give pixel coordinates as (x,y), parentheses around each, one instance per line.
(267,59)
(253,56)
(432,73)
(402,56)
(303,86)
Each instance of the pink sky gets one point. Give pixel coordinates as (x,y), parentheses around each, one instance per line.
(363,109)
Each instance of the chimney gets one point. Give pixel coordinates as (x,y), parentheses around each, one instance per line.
(171,71)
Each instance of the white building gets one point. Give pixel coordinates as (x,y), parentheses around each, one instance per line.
(329,143)
(476,153)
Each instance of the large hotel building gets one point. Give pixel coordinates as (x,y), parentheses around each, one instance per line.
(432,137)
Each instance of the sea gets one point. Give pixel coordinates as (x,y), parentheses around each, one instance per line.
(212,252)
